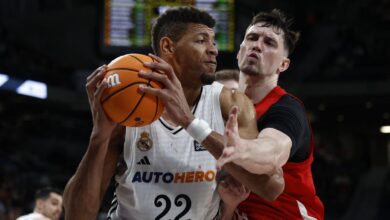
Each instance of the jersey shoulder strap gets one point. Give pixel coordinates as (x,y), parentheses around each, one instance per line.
(271,98)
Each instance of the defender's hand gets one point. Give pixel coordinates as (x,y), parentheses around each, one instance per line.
(235,149)
(232,192)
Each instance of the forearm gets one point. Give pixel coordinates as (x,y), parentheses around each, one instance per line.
(261,157)
(266,154)
(265,186)
(259,184)
(82,193)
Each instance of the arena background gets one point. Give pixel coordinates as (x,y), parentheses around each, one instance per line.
(340,69)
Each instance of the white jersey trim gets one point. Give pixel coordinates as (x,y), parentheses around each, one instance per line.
(303,211)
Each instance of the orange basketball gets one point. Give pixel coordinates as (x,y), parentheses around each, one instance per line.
(122,101)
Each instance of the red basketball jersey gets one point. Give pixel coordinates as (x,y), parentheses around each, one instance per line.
(299,199)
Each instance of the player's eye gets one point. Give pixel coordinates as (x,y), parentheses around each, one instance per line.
(251,37)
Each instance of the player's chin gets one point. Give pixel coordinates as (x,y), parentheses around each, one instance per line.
(210,68)
(250,70)
(207,78)
(55,217)
(208,74)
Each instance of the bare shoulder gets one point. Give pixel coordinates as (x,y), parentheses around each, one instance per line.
(247,116)
(230,98)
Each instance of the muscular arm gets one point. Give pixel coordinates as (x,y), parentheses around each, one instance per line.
(85,190)
(268,185)
(264,155)
(269,152)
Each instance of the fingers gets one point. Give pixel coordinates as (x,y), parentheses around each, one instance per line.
(157,92)
(161,65)
(228,151)
(100,88)
(232,123)
(231,129)
(227,156)
(156,77)
(157,58)
(233,182)
(234,110)
(95,78)
(230,184)
(95,72)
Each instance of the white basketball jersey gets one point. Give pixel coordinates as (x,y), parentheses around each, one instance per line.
(32,216)
(170,175)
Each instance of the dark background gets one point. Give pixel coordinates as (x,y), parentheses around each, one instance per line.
(340,69)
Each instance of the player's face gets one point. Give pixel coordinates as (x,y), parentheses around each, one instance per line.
(196,50)
(51,207)
(262,52)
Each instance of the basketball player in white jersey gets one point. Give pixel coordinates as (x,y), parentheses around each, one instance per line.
(170,165)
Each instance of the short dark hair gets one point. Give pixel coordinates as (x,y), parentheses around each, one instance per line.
(174,22)
(44,193)
(227,74)
(278,19)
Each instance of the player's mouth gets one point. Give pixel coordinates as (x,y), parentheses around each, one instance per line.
(254,56)
(211,63)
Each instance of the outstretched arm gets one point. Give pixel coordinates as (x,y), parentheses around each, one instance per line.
(268,186)
(85,190)
(264,155)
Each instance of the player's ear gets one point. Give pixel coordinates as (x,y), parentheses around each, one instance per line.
(284,65)
(38,204)
(166,45)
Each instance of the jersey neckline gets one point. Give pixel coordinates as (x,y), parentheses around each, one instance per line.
(177,129)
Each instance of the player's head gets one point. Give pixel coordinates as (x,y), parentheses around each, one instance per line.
(184,37)
(228,77)
(48,202)
(267,44)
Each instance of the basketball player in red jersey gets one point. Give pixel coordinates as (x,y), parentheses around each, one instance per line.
(285,139)
(184,39)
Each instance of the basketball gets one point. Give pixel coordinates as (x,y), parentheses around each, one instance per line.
(122,101)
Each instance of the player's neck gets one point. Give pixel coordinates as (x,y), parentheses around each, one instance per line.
(191,84)
(191,87)
(257,87)
(192,95)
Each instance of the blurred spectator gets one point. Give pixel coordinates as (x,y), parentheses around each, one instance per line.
(228,77)
(48,205)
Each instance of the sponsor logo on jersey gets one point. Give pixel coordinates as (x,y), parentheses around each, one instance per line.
(198,147)
(144,161)
(179,177)
(144,143)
